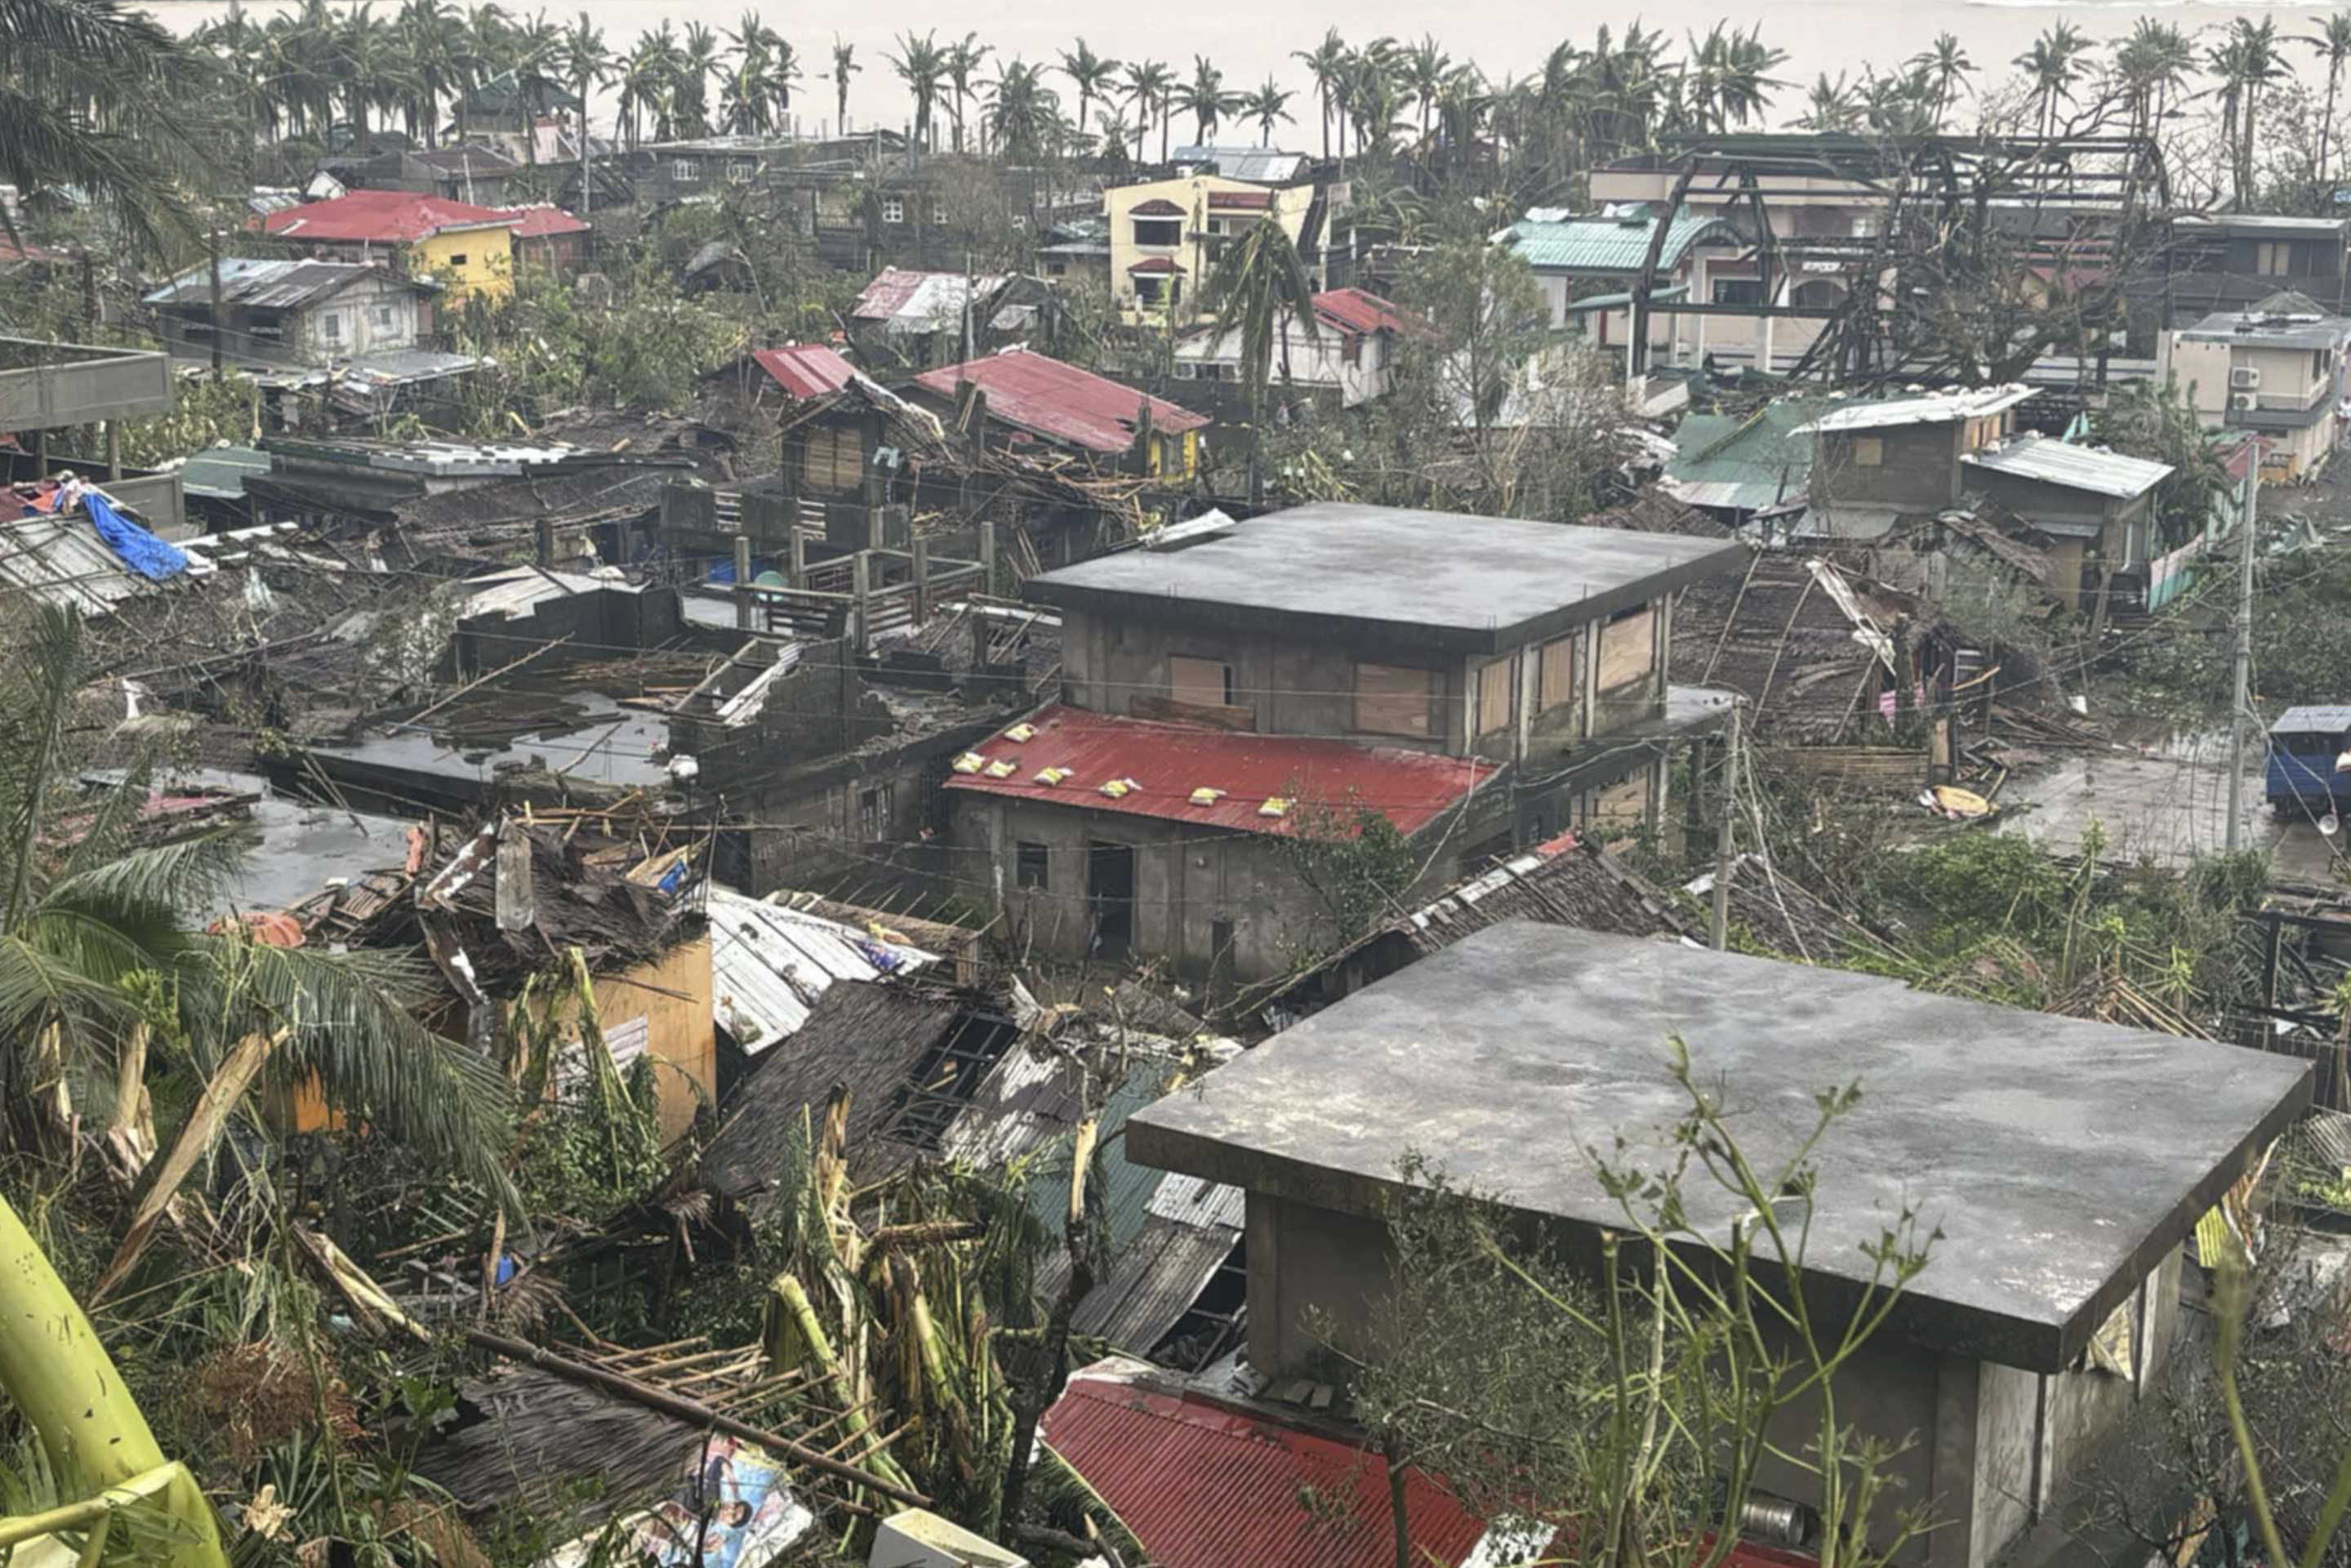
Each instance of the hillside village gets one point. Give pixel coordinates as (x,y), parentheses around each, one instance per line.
(1550,820)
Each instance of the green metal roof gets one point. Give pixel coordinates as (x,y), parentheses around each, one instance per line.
(1744,461)
(1609,244)
(1126,1188)
(219,472)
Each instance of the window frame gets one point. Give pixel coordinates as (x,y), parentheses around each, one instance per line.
(1566,650)
(894,209)
(1427,729)
(1033,866)
(1223,682)
(1497,686)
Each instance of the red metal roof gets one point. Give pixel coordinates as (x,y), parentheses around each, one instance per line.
(1164,763)
(1204,1485)
(1353,310)
(1038,393)
(543,220)
(805,370)
(379,218)
(1157,264)
(1252,199)
(1157,207)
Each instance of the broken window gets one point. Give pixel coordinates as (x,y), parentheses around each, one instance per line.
(1494,696)
(1392,700)
(1555,674)
(1738,291)
(1032,865)
(1200,682)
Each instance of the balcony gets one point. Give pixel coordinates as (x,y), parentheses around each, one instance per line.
(45,385)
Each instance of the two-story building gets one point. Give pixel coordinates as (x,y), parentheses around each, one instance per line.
(2276,371)
(467,250)
(279,312)
(1586,266)
(1027,400)
(2056,1167)
(1166,235)
(1347,353)
(1480,683)
(472,173)
(2233,261)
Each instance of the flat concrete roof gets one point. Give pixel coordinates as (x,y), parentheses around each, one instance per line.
(2061,1159)
(1331,569)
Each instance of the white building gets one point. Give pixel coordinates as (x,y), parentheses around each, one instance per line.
(1351,351)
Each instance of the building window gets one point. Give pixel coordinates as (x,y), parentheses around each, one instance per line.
(1494,696)
(938,211)
(1627,648)
(741,169)
(1216,226)
(383,318)
(874,813)
(1868,450)
(894,209)
(685,171)
(457,260)
(1159,233)
(1187,371)
(1555,674)
(1738,291)
(1817,294)
(1392,700)
(833,460)
(1351,349)
(2273,259)
(1031,864)
(1200,682)
(330,326)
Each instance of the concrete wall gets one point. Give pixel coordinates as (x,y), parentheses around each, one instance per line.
(1983,1448)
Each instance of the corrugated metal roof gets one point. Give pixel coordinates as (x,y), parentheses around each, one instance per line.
(1195,1201)
(805,370)
(268,283)
(770,964)
(1153,1280)
(217,473)
(1165,763)
(1038,393)
(516,594)
(2052,462)
(1742,465)
(61,561)
(1357,310)
(1206,1485)
(381,217)
(912,301)
(1259,165)
(1609,244)
(2314,719)
(543,220)
(1929,408)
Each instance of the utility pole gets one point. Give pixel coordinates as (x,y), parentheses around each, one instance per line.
(1718,927)
(212,248)
(2240,699)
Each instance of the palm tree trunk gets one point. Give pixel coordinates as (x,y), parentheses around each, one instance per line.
(2327,125)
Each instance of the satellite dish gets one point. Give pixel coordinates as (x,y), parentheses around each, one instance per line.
(2330,824)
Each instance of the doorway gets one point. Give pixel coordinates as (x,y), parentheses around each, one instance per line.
(1110,897)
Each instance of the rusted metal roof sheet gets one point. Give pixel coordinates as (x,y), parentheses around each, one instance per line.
(805,370)
(914,301)
(1207,1485)
(1354,310)
(381,217)
(543,220)
(1157,207)
(1035,392)
(1162,765)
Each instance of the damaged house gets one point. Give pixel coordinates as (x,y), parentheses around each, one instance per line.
(1250,689)
(2050,1302)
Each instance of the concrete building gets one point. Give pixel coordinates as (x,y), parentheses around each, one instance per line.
(2095,510)
(278,312)
(1480,683)
(1165,236)
(49,386)
(1349,354)
(2064,1163)
(467,250)
(2277,372)
(1586,266)
(2233,261)
(1874,462)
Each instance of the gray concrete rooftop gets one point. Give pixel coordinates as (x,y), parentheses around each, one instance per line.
(1480,584)
(2061,1159)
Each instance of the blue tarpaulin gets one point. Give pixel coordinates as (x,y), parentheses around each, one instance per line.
(141,551)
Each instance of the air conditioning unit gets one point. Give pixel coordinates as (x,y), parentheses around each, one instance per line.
(2245,378)
(2244,402)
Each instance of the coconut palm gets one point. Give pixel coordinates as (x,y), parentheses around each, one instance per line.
(1829,106)
(2332,41)
(1327,64)
(1259,286)
(961,62)
(2053,64)
(1206,98)
(1021,112)
(1150,87)
(1266,105)
(921,64)
(1424,67)
(587,65)
(2246,62)
(1090,73)
(85,95)
(95,937)
(845,66)
(1947,68)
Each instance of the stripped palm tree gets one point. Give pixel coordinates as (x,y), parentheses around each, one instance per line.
(921,64)
(1947,67)
(1091,74)
(1327,64)
(2332,41)
(1259,288)
(95,939)
(1149,84)
(961,62)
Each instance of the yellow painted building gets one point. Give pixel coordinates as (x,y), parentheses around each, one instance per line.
(468,250)
(1164,236)
(474,261)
